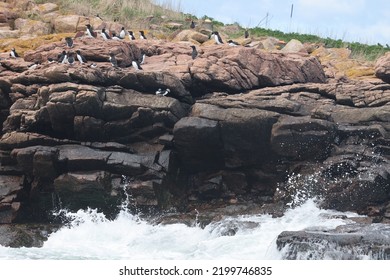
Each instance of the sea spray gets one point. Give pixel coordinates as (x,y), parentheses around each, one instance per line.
(91,235)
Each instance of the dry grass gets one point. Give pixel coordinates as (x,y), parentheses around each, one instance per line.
(124,11)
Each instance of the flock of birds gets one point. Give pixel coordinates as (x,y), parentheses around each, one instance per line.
(69,57)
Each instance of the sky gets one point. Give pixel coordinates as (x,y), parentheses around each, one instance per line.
(364,21)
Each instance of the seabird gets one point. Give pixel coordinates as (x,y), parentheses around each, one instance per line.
(80,57)
(89,31)
(217,38)
(136,65)
(142,35)
(50,60)
(142,58)
(192,25)
(131,35)
(115,37)
(246,34)
(122,34)
(13,53)
(63,57)
(233,43)
(113,60)
(105,35)
(194,52)
(33,66)
(159,91)
(166,92)
(69,42)
(70,58)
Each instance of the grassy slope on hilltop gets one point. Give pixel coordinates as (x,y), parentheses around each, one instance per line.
(127,11)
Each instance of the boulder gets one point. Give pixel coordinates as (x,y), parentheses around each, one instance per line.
(293,46)
(382,68)
(32,27)
(190,35)
(66,24)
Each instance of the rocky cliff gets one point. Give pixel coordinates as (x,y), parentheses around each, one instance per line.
(240,125)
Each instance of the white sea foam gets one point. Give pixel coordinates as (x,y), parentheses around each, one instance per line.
(92,236)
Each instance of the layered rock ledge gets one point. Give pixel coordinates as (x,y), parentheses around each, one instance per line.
(237,122)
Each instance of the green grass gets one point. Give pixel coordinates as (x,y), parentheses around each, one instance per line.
(359,50)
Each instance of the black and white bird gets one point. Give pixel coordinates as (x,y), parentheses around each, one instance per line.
(122,33)
(166,92)
(136,65)
(70,58)
(33,66)
(163,93)
(13,53)
(63,57)
(69,42)
(233,43)
(89,31)
(217,37)
(80,57)
(246,34)
(142,35)
(113,60)
(50,60)
(194,53)
(131,35)
(93,65)
(104,34)
(192,25)
(115,37)
(142,58)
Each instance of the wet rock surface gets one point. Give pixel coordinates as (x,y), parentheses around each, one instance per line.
(348,242)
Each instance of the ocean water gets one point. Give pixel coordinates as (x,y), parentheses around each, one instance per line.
(91,236)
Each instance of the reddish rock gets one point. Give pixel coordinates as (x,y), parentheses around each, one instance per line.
(382,68)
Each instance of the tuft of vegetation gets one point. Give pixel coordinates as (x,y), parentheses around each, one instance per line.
(358,50)
(124,11)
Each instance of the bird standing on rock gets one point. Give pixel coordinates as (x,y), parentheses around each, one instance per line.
(115,37)
(113,60)
(13,53)
(142,58)
(233,43)
(89,31)
(136,65)
(104,34)
(192,25)
(194,52)
(69,42)
(217,37)
(70,58)
(122,34)
(62,57)
(131,35)
(142,35)
(80,57)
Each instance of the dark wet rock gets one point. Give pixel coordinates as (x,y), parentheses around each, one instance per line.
(25,235)
(348,242)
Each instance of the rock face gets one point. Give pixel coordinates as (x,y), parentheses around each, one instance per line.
(382,68)
(234,123)
(349,242)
